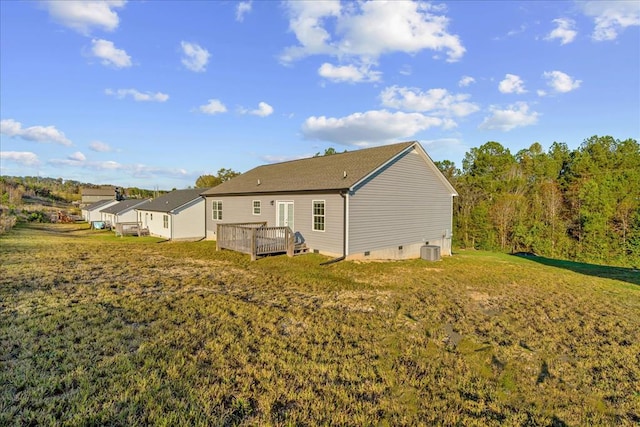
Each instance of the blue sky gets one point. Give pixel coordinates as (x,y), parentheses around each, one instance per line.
(154,94)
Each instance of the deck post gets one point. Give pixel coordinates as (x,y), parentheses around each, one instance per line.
(217,237)
(289,241)
(254,248)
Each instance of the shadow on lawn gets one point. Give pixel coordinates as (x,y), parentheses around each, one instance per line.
(631,275)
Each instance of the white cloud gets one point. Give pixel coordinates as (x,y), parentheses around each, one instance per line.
(406,70)
(26,158)
(516,115)
(367,30)
(561,82)
(370,128)
(110,55)
(100,147)
(438,101)
(137,95)
(242,9)
(263,110)
(137,170)
(109,165)
(13,128)
(348,73)
(77,157)
(213,106)
(511,84)
(564,31)
(466,81)
(83,16)
(196,57)
(611,17)
(10,127)
(306,21)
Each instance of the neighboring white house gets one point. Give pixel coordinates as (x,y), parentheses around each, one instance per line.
(123,211)
(377,203)
(92,212)
(178,215)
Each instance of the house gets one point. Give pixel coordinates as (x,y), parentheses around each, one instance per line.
(92,195)
(123,211)
(178,215)
(376,203)
(92,213)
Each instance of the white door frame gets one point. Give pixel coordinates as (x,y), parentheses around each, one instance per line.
(289,214)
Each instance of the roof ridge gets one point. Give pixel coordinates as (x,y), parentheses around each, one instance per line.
(359,151)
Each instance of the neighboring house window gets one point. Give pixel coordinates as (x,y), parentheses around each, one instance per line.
(165,221)
(318,215)
(151,217)
(217,209)
(256,207)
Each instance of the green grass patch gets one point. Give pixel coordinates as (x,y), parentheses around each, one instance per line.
(103,330)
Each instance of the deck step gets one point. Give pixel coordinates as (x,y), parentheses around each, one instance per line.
(300,249)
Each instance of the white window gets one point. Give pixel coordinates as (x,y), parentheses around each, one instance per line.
(217,210)
(165,221)
(318,215)
(256,207)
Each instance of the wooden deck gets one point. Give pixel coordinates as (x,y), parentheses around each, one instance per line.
(256,239)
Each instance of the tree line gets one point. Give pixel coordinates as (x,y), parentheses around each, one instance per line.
(581,204)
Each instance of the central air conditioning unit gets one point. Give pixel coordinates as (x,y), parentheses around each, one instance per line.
(430,253)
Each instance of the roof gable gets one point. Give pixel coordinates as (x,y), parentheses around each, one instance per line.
(324,173)
(173,200)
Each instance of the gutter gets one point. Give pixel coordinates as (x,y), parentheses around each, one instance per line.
(345,231)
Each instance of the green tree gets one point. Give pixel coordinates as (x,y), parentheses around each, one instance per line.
(207,181)
(328,152)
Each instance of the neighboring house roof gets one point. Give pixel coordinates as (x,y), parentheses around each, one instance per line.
(335,172)
(103,191)
(97,205)
(124,205)
(173,200)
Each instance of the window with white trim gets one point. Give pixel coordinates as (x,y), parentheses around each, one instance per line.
(257,208)
(318,215)
(165,221)
(217,210)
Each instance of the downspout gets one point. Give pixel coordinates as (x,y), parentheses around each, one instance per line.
(171,219)
(345,231)
(205,218)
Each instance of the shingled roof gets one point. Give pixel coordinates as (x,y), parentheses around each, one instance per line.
(96,205)
(101,191)
(124,206)
(173,200)
(323,173)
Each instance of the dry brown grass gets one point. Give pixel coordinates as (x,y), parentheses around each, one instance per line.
(99,330)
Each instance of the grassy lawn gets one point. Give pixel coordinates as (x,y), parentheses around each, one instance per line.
(99,330)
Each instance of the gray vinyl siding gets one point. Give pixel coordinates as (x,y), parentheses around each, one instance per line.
(328,241)
(238,209)
(407,185)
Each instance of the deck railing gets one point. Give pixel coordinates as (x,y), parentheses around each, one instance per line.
(255,239)
(130,229)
